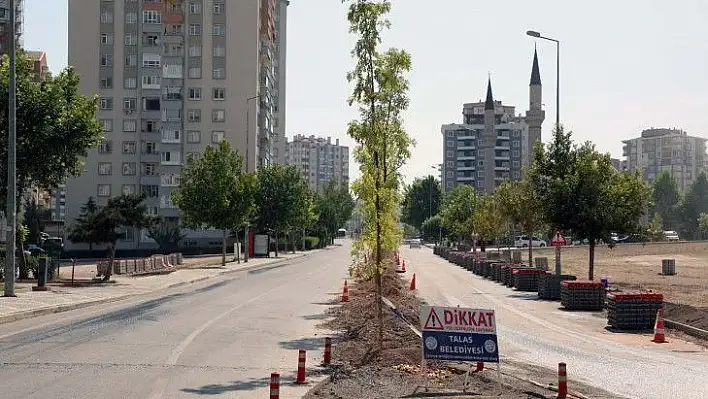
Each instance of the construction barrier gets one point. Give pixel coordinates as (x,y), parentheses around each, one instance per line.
(274,386)
(301,358)
(659,336)
(562,382)
(327,351)
(345,292)
(139,266)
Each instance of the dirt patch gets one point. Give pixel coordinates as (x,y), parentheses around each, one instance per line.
(696,317)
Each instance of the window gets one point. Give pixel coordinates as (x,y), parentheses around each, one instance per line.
(106,82)
(450,164)
(149,147)
(150,191)
(106,17)
(450,154)
(217,137)
(104,190)
(516,164)
(195,29)
(129,147)
(150,40)
(480,173)
(516,133)
(171,136)
(218,115)
(105,147)
(218,73)
(219,30)
(128,189)
(131,60)
(105,168)
(106,103)
(130,125)
(129,169)
(151,103)
(195,8)
(130,83)
(516,175)
(150,127)
(106,38)
(169,180)
(219,51)
(515,153)
(149,169)
(195,93)
(130,39)
(194,115)
(450,173)
(218,94)
(450,143)
(194,136)
(195,50)
(170,157)
(152,17)
(107,125)
(151,60)
(131,18)
(130,103)
(516,144)
(218,8)
(195,73)
(106,60)
(151,82)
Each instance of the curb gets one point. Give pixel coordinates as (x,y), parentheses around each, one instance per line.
(688,329)
(66,308)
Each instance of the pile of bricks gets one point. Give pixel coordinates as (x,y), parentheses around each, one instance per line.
(541,262)
(508,279)
(582,295)
(526,279)
(139,266)
(633,310)
(497,271)
(549,285)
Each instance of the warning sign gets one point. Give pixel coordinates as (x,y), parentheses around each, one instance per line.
(459,334)
(433,322)
(439,318)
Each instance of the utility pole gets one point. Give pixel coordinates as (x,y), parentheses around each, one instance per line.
(246,241)
(11,212)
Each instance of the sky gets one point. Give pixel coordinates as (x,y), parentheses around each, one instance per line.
(625,65)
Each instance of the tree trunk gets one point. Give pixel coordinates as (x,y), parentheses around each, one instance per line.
(530,253)
(303,240)
(482,244)
(377,266)
(237,251)
(276,243)
(111,259)
(292,239)
(591,260)
(223,248)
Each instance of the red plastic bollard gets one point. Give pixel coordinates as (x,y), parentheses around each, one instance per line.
(301,367)
(327,351)
(480,366)
(562,382)
(274,386)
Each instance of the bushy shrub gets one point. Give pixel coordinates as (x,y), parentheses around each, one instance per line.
(311,243)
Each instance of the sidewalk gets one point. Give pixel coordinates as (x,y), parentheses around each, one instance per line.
(30,303)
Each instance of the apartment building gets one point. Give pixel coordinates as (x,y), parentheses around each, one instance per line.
(493,144)
(319,160)
(173,77)
(5,23)
(281,27)
(662,149)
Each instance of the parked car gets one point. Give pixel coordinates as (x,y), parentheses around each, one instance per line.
(35,250)
(415,243)
(671,235)
(523,242)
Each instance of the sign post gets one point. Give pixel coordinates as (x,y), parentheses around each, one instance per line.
(458,334)
(558,241)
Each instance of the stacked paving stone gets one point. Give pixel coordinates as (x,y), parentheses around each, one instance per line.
(526,279)
(633,310)
(541,263)
(488,267)
(549,285)
(497,275)
(582,295)
(509,274)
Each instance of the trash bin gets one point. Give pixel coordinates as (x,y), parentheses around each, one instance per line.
(43,268)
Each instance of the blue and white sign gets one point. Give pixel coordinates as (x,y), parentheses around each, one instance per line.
(459,334)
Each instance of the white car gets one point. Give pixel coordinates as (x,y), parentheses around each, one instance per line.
(671,235)
(523,242)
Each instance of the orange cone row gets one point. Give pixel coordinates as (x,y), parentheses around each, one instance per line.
(301,377)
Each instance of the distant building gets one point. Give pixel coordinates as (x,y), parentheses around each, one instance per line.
(5,24)
(662,149)
(41,66)
(318,160)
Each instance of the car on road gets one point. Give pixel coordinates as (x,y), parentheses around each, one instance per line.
(415,243)
(35,249)
(523,242)
(671,235)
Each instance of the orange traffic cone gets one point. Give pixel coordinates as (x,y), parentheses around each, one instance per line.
(345,292)
(413,283)
(659,336)
(403,268)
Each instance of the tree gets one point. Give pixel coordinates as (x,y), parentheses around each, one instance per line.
(703,225)
(458,211)
(421,200)
(214,192)
(335,207)
(379,92)
(433,229)
(523,206)
(666,198)
(694,203)
(281,189)
(307,214)
(167,235)
(489,220)
(56,126)
(83,230)
(35,218)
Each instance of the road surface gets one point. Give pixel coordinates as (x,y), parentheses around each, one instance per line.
(537,332)
(221,338)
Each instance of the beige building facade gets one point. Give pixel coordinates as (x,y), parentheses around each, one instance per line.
(319,160)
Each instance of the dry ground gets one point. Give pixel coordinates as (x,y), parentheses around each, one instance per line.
(635,267)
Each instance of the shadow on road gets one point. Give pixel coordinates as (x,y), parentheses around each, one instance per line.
(527,296)
(235,386)
(304,343)
(321,316)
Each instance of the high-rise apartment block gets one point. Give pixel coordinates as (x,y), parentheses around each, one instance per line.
(5,23)
(281,21)
(318,160)
(173,77)
(671,150)
(493,144)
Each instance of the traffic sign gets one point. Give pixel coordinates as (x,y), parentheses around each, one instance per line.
(558,240)
(459,334)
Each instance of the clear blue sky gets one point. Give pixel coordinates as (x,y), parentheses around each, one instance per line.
(625,65)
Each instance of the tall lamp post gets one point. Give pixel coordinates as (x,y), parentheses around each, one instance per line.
(430,199)
(11,212)
(538,35)
(246,241)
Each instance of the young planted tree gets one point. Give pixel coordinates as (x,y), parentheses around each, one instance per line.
(307,215)
(380,94)
(489,220)
(167,235)
(335,207)
(421,200)
(694,203)
(214,192)
(83,230)
(458,211)
(433,229)
(523,206)
(666,198)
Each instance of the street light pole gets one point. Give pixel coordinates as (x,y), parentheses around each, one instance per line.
(557,42)
(246,241)
(11,212)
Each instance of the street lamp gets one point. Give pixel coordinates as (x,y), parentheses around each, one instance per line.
(11,212)
(538,35)
(430,199)
(246,242)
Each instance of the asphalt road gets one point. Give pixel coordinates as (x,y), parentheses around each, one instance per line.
(220,338)
(539,333)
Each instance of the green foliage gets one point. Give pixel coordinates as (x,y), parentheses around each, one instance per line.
(433,229)
(335,207)
(666,198)
(311,243)
(36,218)
(409,231)
(489,220)
(281,191)
(83,231)
(421,200)
(167,235)
(458,211)
(694,203)
(703,225)
(56,126)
